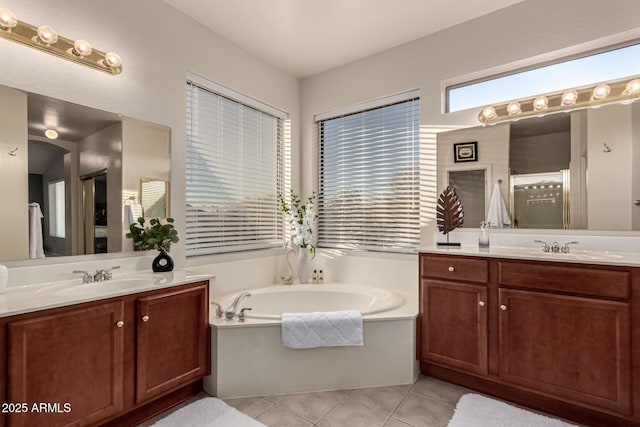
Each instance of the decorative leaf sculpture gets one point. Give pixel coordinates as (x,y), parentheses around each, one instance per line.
(449,212)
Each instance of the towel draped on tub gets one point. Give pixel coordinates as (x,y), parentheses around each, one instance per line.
(322,329)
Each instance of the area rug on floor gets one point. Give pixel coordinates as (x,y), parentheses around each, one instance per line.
(207,412)
(479,411)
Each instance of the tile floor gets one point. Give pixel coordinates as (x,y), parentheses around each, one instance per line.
(427,403)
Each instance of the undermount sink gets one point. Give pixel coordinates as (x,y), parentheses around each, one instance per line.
(577,255)
(114,285)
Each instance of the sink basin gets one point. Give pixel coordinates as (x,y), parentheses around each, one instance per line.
(577,255)
(114,285)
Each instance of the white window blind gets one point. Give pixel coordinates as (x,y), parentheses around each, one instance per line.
(235,165)
(369,189)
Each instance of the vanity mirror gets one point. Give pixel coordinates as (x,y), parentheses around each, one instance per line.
(66,171)
(576,170)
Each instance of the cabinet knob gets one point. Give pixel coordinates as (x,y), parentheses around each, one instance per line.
(145,318)
(119,323)
(452,269)
(482,303)
(503,307)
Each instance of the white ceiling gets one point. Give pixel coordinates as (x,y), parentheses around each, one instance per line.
(307,37)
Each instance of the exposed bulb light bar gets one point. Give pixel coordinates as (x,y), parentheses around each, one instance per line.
(46,39)
(626,91)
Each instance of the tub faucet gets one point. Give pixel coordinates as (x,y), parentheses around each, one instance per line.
(230,312)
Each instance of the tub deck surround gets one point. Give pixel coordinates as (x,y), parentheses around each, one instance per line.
(45,295)
(249,359)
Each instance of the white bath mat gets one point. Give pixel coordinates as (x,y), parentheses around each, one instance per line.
(207,412)
(479,411)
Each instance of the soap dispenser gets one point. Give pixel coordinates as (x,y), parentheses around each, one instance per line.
(483,239)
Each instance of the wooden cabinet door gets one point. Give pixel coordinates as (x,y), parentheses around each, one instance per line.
(454,325)
(569,347)
(69,365)
(172,340)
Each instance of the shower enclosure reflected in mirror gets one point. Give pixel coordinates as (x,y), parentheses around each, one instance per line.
(80,179)
(154,196)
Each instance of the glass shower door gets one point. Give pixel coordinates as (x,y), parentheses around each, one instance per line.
(540,200)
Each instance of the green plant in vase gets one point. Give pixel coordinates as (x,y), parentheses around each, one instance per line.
(157,235)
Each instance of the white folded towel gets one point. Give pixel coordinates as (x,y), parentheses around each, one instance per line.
(322,329)
(134,212)
(498,215)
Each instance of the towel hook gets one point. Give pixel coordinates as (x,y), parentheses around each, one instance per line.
(500,181)
(13,152)
(606,148)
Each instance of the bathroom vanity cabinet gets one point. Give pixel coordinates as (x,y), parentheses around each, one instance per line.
(553,336)
(114,361)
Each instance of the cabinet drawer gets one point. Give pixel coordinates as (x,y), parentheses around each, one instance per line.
(454,268)
(575,280)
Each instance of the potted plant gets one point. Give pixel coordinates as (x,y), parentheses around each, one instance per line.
(157,236)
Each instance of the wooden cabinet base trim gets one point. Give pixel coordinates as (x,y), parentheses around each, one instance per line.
(550,405)
(157,406)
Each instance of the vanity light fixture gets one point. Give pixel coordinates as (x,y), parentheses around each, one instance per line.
(621,91)
(51,134)
(46,39)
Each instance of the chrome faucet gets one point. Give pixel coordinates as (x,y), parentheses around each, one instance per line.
(565,248)
(102,275)
(219,310)
(230,312)
(86,276)
(555,247)
(545,247)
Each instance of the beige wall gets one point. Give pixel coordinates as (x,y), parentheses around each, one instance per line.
(609,174)
(14,215)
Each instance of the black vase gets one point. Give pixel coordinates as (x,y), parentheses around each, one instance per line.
(163,262)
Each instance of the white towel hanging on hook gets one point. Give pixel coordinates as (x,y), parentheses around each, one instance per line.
(498,215)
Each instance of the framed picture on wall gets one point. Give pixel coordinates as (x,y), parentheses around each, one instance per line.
(465,152)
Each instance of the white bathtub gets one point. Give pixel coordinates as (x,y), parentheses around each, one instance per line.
(248,359)
(271,302)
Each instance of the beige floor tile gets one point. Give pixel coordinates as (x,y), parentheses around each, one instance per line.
(252,406)
(396,423)
(278,417)
(310,406)
(385,399)
(404,388)
(352,412)
(420,411)
(439,390)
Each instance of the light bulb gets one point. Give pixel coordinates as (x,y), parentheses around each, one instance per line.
(570,97)
(51,134)
(82,48)
(514,108)
(540,103)
(632,88)
(112,59)
(489,113)
(7,19)
(47,35)
(601,91)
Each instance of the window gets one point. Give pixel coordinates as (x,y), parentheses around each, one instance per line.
(56,209)
(610,65)
(369,190)
(237,164)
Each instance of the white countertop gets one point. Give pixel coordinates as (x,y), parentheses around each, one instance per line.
(41,296)
(630,259)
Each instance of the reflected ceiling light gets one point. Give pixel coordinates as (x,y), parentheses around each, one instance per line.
(601,92)
(570,97)
(47,35)
(82,48)
(632,88)
(51,134)
(46,39)
(514,108)
(8,19)
(540,103)
(620,92)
